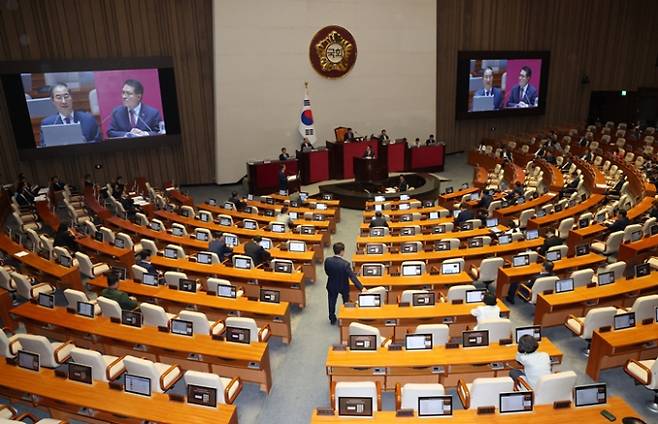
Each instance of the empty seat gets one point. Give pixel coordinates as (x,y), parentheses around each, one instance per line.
(483,391)
(9,345)
(212,283)
(227,389)
(109,308)
(172,278)
(487,272)
(90,269)
(75,296)
(458,292)
(256,334)
(611,245)
(358,329)
(200,323)
(406,397)
(103,367)
(440,333)
(162,376)
(552,388)
(27,290)
(51,354)
(155,315)
(500,328)
(645,373)
(596,318)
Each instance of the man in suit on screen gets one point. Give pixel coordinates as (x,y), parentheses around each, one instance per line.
(134,118)
(61,97)
(523,95)
(489,90)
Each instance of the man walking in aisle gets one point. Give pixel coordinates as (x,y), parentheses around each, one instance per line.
(338,272)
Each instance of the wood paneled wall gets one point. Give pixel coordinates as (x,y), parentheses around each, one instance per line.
(614,43)
(75,29)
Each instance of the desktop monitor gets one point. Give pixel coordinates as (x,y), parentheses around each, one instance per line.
(201,235)
(571,203)
(434,215)
(321,206)
(492,222)
(283,266)
(474,197)
(409,248)
(372,270)
(464,186)
(154,226)
(65,261)
(318,217)
(404,197)
(266,243)
(516,402)
(187,285)
(85,309)
(227,290)
(449,190)
(581,250)
(303,196)
(293,215)
(605,278)
(642,270)
(562,286)
(150,279)
(407,231)
(119,243)
(200,395)
(418,342)
(520,200)
(439,229)
(212,202)
(327,196)
(283,192)
(294,204)
(355,407)
(296,246)
(80,373)
(28,360)
(553,255)
(182,327)
(404,206)
(131,318)
(434,406)
(170,253)
(270,296)
(226,221)
(450,268)
(504,239)
(442,245)
(231,240)
(636,235)
(541,213)
(120,272)
(466,226)
(475,296)
(363,342)
(137,385)
(374,249)
(205,217)
(250,225)
(16,237)
(406,217)
(238,335)
(269,212)
(582,223)
(46,300)
(98,236)
(531,234)
(600,217)
(380,199)
(250,196)
(204,258)
(242,263)
(369,300)
(475,338)
(185,213)
(423,299)
(590,394)
(521,260)
(622,321)
(475,242)
(278,228)
(530,330)
(412,269)
(307,229)
(378,208)
(558,208)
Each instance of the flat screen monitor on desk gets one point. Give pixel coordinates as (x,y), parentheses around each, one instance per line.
(369,300)
(227,290)
(439,229)
(475,296)
(187,285)
(46,300)
(553,255)
(412,269)
(282,265)
(504,239)
(252,225)
(278,228)
(119,243)
(231,240)
(238,335)
(590,394)
(201,395)
(372,270)
(404,197)
(374,248)
(423,299)
(242,263)
(85,309)
(119,271)
(581,250)
(530,330)
(531,234)
(266,243)
(98,236)
(154,226)
(62,134)
(449,190)
(492,222)
(28,360)
(475,242)
(380,198)
(563,286)
(270,296)
(65,261)
(409,248)
(451,268)
(378,208)
(355,406)
(434,406)
(636,235)
(363,342)
(623,321)
(226,221)
(521,260)
(605,278)
(293,215)
(201,235)
(475,338)
(137,385)
(170,253)
(204,258)
(131,318)
(150,279)
(80,373)
(404,206)
(182,327)
(297,246)
(434,215)
(418,342)
(516,402)
(642,270)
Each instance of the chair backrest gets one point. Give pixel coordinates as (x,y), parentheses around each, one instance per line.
(361,389)
(149,245)
(629,230)
(582,277)
(138,272)
(4,345)
(613,242)
(154,315)
(143,368)
(189,211)
(500,328)
(486,391)
(180,253)
(555,387)
(41,345)
(380,290)
(141,219)
(127,241)
(565,225)
(414,263)
(458,292)
(23,284)
(440,333)
(109,308)
(453,242)
(244,322)
(525,216)
(359,329)
(562,248)
(541,285)
(180,228)
(474,223)
(93,359)
(47,243)
(6,282)
(75,296)
(108,235)
(86,267)
(199,320)
(408,295)
(206,379)
(618,268)
(489,268)
(410,393)
(597,318)
(645,307)
(224,219)
(172,278)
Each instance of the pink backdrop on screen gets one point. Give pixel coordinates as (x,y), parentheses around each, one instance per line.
(110,83)
(514,67)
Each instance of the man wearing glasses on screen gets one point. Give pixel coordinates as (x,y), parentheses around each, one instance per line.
(134,118)
(61,97)
(524,94)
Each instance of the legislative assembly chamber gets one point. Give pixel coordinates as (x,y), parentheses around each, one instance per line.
(306,211)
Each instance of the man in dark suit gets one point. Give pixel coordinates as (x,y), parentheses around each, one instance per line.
(489,90)
(369,154)
(134,118)
(620,223)
(237,201)
(486,200)
(307,146)
(464,215)
(383,137)
(546,272)
(349,135)
(378,220)
(283,178)
(338,272)
(63,102)
(257,252)
(284,154)
(524,94)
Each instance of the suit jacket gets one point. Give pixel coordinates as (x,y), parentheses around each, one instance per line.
(515,96)
(497,95)
(148,120)
(367,155)
(618,225)
(349,136)
(257,252)
(485,201)
(464,216)
(307,147)
(87,122)
(378,222)
(284,156)
(283,181)
(338,272)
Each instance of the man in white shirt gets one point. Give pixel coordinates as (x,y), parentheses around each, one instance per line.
(535,364)
(487,312)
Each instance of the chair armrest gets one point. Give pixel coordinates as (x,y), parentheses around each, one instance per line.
(463,393)
(28,416)
(521,383)
(262,338)
(36,286)
(11,410)
(524,292)
(386,341)
(108,371)
(215,324)
(230,399)
(643,367)
(332,394)
(68,345)
(11,344)
(398,396)
(378,386)
(579,321)
(172,382)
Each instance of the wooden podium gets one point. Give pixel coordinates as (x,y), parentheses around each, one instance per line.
(313,165)
(370,170)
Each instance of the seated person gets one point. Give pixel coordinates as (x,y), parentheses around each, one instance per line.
(237,201)
(430,141)
(464,215)
(257,252)
(61,98)
(379,220)
(383,137)
(112,292)
(284,154)
(416,142)
(571,187)
(369,154)
(56,184)
(547,271)
(349,135)
(489,90)
(133,118)
(488,311)
(403,185)
(485,200)
(535,364)
(143,261)
(523,95)
(616,189)
(284,216)
(65,237)
(118,188)
(306,145)
(620,223)
(220,248)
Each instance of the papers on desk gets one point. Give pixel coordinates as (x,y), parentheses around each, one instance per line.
(21,253)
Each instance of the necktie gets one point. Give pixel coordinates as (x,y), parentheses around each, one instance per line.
(67,120)
(132,118)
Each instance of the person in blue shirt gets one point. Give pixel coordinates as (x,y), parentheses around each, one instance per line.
(219,247)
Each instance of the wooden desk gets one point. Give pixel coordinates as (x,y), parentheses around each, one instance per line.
(305,259)
(334,204)
(292,286)
(395,321)
(367,215)
(426,239)
(512,211)
(508,275)
(554,309)
(614,348)
(542,414)
(448,199)
(178,197)
(67,276)
(395,226)
(584,236)
(250,362)
(161,238)
(554,219)
(5,305)
(636,252)
(391,367)
(640,208)
(45,214)
(126,257)
(114,406)
(277,315)
(438,256)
